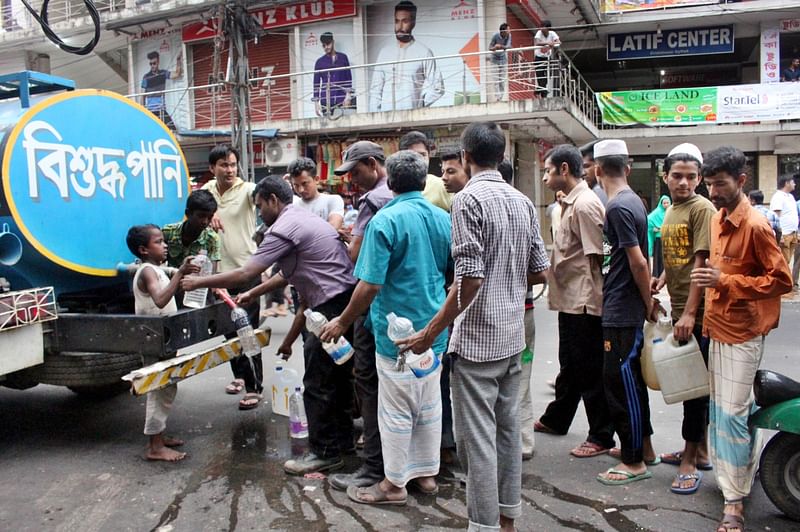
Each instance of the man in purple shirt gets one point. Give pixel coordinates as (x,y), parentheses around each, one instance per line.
(309,255)
(332,89)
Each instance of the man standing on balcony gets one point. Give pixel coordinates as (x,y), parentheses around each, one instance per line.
(332,90)
(498,61)
(792,72)
(548,40)
(409,85)
(155,82)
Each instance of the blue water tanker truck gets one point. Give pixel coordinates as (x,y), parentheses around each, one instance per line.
(77,169)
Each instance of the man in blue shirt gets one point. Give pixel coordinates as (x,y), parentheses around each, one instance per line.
(155,81)
(332,89)
(792,72)
(401,268)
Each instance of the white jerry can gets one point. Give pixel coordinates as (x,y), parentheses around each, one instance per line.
(681,371)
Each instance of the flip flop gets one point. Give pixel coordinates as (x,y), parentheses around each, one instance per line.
(731,522)
(235,387)
(375,493)
(594,449)
(246,402)
(676,457)
(629,477)
(538,426)
(616,452)
(697,477)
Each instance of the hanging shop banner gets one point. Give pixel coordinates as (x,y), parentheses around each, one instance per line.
(615,6)
(707,105)
(790,24)
(669,43)
(158,65)
(770,55)
(414,34)
(279,17)
(659,107)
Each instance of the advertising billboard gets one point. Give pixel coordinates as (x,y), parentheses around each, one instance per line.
(405,36)
(669,43)
(615,6)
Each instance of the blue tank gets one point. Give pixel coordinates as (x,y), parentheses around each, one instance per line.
(77,169)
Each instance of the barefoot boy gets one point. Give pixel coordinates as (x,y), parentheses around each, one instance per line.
(154,295)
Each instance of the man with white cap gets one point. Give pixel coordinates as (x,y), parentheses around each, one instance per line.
(626,304)
(686,239)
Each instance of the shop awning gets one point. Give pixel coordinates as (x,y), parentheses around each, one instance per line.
(257,134)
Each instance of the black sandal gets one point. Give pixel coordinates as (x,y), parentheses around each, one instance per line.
(731,522)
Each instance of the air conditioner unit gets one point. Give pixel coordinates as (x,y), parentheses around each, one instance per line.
(280,152)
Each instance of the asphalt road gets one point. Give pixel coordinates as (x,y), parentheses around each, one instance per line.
(67,463)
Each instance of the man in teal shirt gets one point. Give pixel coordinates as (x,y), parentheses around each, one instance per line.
(401,268)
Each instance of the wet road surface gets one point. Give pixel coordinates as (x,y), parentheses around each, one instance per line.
(68,463)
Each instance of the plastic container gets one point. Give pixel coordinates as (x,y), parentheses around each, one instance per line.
(340,351)
(247,337)
(298,423)
(653,332)
(197,298)
(421,365)
(681,371)
(283,382)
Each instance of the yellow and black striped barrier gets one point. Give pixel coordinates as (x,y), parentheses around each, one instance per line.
(166,372)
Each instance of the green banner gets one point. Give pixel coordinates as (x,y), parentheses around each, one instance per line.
(659,107)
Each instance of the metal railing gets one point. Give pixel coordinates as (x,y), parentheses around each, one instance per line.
(453,80)
(14,16)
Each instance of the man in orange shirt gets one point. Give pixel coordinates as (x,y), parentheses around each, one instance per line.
(745,275)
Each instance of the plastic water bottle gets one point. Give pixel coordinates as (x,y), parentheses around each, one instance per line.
(247,337)
(422,364)
(298,424)
(340,351)
(197,298)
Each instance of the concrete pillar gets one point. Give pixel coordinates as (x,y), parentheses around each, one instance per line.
(37,62)
(767,175)
(529,181)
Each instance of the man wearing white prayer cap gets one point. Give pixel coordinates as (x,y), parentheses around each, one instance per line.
(686,241)
(626,304)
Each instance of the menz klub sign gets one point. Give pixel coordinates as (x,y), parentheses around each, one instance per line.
(278,17)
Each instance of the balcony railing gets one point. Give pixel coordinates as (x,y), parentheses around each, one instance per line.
(14,16)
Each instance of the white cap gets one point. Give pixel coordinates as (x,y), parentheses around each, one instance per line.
(688,149)
(605,148)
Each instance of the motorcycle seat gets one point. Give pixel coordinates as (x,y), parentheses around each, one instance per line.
(771,388)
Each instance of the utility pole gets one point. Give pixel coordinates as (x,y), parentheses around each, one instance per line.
(239,27)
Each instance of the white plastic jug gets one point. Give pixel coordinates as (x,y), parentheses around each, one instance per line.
(283,384)
(653,332)
(681,371)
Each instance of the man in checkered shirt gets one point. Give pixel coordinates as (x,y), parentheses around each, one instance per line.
(498,252)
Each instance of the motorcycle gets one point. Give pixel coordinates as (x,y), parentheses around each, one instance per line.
(779,469)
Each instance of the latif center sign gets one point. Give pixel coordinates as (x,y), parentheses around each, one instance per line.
(669,43)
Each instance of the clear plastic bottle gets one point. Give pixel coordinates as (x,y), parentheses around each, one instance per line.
(197,298)
(247,337)
(422,364)
(340,351)
(298,424)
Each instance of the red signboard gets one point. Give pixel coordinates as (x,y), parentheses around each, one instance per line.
(279,17)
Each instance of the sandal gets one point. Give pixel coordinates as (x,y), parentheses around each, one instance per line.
(414,483)
(235,387)
(695,477)
(629,477)
(375,494)
(616,452)
(250,401)
(538,426)
(731,522)
(676,457)
(588,449)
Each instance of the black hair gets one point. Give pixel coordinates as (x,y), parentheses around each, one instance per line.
(406,172)
(587,150)
(274,184)
(567,153)
(504,26)
(485,143)
(153,55)
(783,179)
(326,38)
(450,155)
(301,164)
(201,200)
(757,196)
(506,170)
(680,157)
(724,159)
(613,165)
(221,151)
(547,24)
(414,137)
(139,236)
(405,5)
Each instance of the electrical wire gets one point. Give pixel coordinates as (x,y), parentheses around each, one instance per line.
(41,18)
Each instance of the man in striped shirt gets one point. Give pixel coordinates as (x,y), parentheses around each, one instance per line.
(498,252)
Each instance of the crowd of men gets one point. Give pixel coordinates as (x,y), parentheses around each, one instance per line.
(456,255)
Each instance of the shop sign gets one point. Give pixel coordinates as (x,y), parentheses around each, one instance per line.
(615,6)
(770,64)
(790,25)
(279,17)
(669,43)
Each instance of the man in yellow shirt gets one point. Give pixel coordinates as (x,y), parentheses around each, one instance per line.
(434,192)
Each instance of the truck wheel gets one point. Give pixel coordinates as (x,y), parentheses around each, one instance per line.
(82,370)
(780,473)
